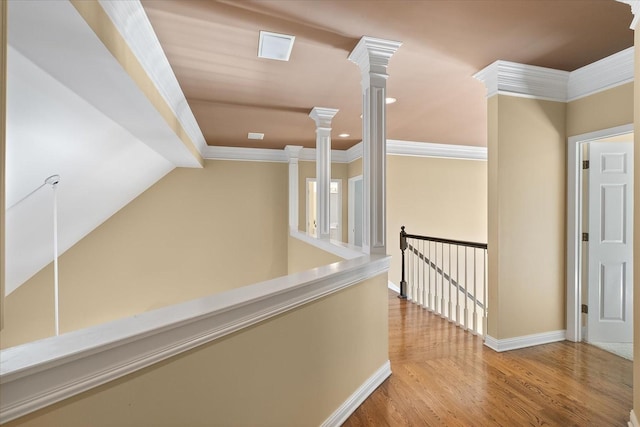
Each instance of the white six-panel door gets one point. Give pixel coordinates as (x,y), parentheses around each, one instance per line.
(610,276)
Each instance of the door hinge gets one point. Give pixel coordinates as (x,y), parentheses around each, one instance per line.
(585,308)
(585,237)
(585,164)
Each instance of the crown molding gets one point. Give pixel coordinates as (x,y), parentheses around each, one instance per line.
(601,75)
(355,152)
(511,78)
(427,149)
(394,147)
(214,152)
(133,24)
(337,156)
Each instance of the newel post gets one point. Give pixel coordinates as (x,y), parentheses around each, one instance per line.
(403,247)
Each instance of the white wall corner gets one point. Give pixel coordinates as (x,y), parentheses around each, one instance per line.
(635,9)
(609,72)
(511,78)
(633,420)
(524,341)
(358,397)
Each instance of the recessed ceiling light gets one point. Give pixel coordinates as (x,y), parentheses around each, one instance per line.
(255,135)
(390,100)
(275,46)
(344,135)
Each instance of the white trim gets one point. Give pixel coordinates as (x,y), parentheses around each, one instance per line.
(293,151)
(427,149)
(214,152)
(523,341)
(337,156)
(574,224)
(513,78)
(633,420)
(351,208)
(355,152)
(133,24)
(395,288)
(41,373)
(528,81)
(343,250)
(394,147)
(358,397)
(607,73)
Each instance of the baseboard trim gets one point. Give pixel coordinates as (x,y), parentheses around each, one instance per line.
(360,395)
(395,288)
(633,420)
(524,341)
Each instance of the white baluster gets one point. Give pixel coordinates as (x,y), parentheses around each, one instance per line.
(475,294)
(458,286)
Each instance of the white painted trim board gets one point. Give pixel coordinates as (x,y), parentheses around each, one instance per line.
(358,397)
(523,341)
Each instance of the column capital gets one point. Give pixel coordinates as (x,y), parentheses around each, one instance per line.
(323,116)
(372,55)
(635,9)
(293,151)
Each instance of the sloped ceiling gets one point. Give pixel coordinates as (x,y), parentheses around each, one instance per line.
(72,111)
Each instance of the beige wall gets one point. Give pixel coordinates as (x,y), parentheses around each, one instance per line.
(527,198)
(293,370)
(636,235)
(308,170)
(434,197)
(194,233)
(607,109)
(303,256)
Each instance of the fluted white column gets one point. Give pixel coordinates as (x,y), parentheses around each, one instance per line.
(323,117)
(372,56)
(293,154)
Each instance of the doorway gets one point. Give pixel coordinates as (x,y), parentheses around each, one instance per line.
(335,209)
(599,238)
(355,210)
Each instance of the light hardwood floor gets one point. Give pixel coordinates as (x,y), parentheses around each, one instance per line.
(444,376)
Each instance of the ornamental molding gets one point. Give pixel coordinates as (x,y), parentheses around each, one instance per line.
(323,116)
(514,79)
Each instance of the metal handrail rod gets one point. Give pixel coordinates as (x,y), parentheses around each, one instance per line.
(448,241)
(445,275)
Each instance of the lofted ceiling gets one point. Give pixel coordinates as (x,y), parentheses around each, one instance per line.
(212,48)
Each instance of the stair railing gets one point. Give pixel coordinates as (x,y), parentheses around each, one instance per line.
(447,277)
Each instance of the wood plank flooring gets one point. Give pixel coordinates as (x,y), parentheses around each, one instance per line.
(443,376)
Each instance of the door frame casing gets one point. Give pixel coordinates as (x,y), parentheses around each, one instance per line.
(574,224)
